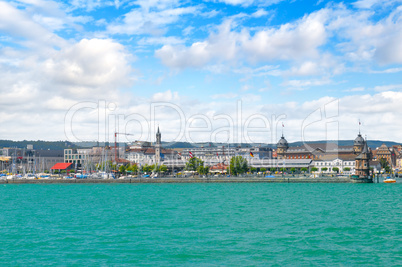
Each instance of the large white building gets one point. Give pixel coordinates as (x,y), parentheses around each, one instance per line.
(345,165)
(141,152)
(214,155)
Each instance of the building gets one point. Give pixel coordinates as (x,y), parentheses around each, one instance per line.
(383,152)
(77,156)
(344,164)
(279,164)
(327,156)
(222,154)
(158,146)
(362,165)
(317,151)
(281,148)
(142,153)
(23,160)
(147,155)
(87,158)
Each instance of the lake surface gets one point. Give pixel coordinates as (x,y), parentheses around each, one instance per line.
(201,224)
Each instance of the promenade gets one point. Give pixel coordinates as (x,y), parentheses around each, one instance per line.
(162,180)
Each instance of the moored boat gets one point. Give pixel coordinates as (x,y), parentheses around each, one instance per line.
(389,180)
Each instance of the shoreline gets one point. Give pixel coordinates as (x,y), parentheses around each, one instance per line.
(189,180)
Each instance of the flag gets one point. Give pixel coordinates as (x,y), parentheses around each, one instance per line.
(191,154)
(217,154)
(251,154)
(283,125)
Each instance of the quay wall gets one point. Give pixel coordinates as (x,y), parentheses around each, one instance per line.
(189,180)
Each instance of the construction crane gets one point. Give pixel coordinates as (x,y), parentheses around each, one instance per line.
(115,144)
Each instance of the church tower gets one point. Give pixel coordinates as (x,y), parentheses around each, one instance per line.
(158,147)
(362,162)
(281,148)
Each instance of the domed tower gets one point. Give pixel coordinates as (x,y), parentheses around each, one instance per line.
(281,148)
(358,144)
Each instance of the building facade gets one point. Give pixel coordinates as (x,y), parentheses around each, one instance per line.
(363,163)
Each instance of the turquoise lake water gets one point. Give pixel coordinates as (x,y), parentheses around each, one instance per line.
(201,224)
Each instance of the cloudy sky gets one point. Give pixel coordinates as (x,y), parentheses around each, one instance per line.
(209,70)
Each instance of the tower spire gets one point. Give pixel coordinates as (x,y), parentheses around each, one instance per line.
(359,126)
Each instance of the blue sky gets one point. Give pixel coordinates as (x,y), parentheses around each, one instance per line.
(213,70)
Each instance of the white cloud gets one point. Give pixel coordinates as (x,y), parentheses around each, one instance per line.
(390,87)
(171,40)
(42,90)
(356,89)
(146,21)
(300,84)
(94,63)
(50,74)
(390,70)
(246,87)
(188,30)
(250,2)
(251,98)
(365,39)
(166,96)
(25,30)
(291,41)
(389,49)
(355,36)
(367,4)
(259,13)
(224,96)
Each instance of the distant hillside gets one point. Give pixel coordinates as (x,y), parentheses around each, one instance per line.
(59,145)
(38,145)
(371,143)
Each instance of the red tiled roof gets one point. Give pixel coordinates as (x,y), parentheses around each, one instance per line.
(61,166)
(219,166)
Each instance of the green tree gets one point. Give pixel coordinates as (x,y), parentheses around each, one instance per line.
(238,165)
(324,169)
(383,163)
(273,169)
(253,170)
(193,163)
(122,169)
(283,169)
(346,169)
(203,170)
(304,169)
(132,168)
(314,169)
(263,170)
(161,168)
(293,170)
(335,169)
(147,168)
(387,169)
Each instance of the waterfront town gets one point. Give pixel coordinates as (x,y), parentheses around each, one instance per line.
(152,160)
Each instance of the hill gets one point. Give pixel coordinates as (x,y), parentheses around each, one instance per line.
(60,145)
